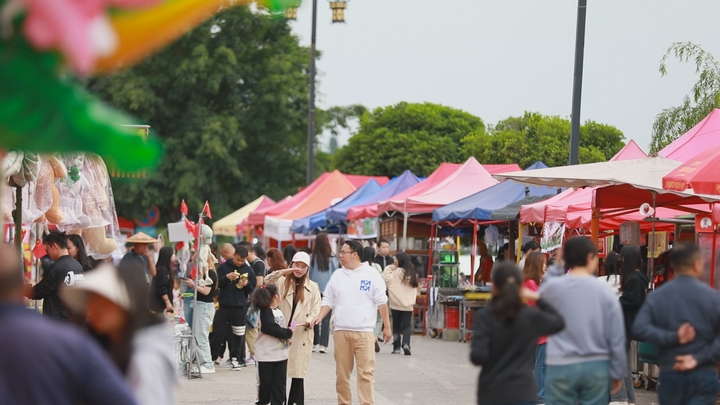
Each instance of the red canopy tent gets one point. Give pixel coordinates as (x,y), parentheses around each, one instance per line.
(705,135)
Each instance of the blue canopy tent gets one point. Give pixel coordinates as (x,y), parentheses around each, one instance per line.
(479,206)
(330,219)
(318,220)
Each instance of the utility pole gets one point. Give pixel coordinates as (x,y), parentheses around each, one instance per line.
(577,82)
(311,106)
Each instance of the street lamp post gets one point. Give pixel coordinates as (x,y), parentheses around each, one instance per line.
(338,8)
(577,82)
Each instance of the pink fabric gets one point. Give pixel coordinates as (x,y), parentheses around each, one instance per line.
(703,136)
(630,151)
(64,25)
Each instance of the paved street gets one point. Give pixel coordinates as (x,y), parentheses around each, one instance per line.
(438,372)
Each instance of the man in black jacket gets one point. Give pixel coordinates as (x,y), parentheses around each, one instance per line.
(65,269)
(236,282)
(683,319)
(383,257)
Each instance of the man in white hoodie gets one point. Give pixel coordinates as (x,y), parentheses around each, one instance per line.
(355,293)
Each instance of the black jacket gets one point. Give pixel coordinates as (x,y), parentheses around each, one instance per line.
(506,352)
(65,270)
(160,286)
(632,298)
(384,261)
(229,296)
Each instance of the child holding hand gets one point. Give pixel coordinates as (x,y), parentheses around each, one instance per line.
(271,346)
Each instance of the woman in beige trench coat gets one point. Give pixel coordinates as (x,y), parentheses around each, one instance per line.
(300,304)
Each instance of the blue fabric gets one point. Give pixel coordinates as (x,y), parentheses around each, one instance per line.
(481,204)
(582,383)
(319,220)
(627,392)
(699,387)
(540,372)
(48,362)
(333,218)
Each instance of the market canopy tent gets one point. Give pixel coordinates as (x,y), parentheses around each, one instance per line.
(336,186)
(511,212)
(705,135)
(438,176)
(630,151)
(480,205)
(319,220)
(358,180)
(258,216)
(227,226)
(468,179)
(339,212)
(501,168)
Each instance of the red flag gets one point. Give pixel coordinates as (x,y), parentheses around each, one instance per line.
(183,208)
(191,227)
(39,250)
(206,210)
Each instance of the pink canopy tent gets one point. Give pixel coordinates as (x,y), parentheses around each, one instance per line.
(257,217)
(631,150)
(501,168)
(468,179)
(437,177)
(703,136)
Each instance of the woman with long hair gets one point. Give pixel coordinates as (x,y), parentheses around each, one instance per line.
(401,281)
(289,252)
(322,266)
(612,272)
(76,249)
(204,313)
(163,281)
(300,304)
(533,272)
(275,260)
(633,286)
(115,302)
(504,337)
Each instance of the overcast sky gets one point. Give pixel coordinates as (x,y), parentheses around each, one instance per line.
(498,58)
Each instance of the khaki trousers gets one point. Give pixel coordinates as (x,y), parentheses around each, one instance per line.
(350,347)
(250,336)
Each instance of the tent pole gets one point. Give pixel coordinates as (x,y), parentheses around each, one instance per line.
(651,262)
(595,225)
(18,222)
(474,251)
(518,248)
(431,247)
(712,260)
(405,235)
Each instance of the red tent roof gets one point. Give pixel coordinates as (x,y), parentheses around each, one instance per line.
(703,136)
(335,186)
(468,179)
(631,150)
(437,177)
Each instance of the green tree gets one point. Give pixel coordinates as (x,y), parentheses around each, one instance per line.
(535,137)
(229,100)
(697,104)
(405,136)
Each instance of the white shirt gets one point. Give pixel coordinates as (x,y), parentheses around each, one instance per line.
(354,295)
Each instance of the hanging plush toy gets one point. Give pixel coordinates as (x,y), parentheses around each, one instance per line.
(206,260)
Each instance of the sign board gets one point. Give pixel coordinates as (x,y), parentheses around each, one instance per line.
(149,230)
(630,233)
(552,236)
(703,224)
(366,228)
(177,232)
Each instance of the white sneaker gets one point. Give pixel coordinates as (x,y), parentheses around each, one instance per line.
(207,370)
(322,349)
(236,366)
(315,348)
(618,403)
(226,364)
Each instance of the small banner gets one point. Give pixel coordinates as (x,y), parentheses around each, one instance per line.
(366,228)
(552,236)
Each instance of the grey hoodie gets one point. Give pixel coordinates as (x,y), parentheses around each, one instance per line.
(152,372)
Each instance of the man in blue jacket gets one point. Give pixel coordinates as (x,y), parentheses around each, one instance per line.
(683,319)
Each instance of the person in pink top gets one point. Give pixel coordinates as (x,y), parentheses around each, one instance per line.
(533,272)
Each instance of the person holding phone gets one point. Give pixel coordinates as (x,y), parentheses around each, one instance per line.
(300,304)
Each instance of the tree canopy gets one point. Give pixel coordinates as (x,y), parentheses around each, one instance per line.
(697,104)
(535,137)
(229,100)
(418,137)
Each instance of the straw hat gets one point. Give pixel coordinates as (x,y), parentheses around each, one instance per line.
(141,237)
(102,281)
